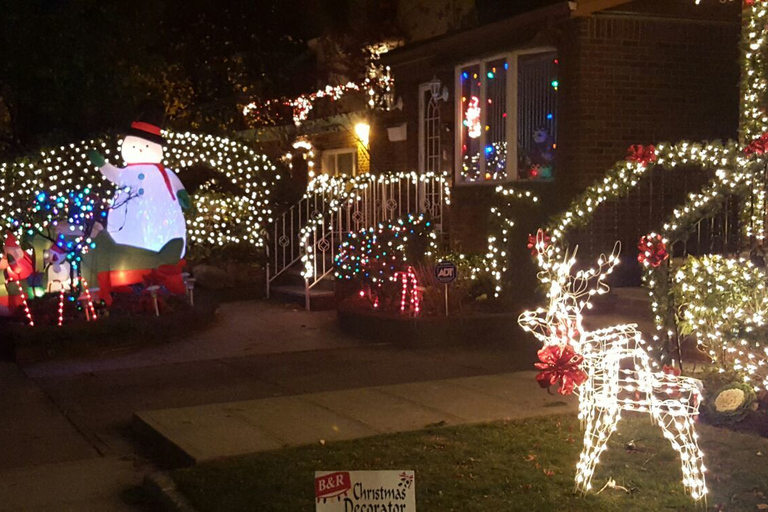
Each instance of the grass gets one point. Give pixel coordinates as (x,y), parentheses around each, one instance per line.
(524,465)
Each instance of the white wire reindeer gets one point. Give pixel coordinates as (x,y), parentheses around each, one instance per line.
(617,366)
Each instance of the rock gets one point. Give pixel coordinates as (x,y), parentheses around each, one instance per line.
(208,276)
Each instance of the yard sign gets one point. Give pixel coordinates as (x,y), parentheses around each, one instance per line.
(365,491)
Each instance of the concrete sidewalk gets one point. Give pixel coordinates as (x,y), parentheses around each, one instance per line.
(197,434)
(46,464)
(32,429)
(89,485)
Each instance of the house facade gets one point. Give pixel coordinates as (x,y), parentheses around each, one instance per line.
(548,99)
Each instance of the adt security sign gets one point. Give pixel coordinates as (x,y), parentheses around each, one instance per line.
(445,272)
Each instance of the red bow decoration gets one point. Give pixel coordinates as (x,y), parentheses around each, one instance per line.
(560,363)
(757,146)
(546,240)
(642,154)
(653,250)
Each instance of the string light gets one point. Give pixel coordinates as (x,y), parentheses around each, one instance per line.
(724,302)
(215,219)
(24,302)
(60,320)
(348,189)
(617,367)
(498,242)
(377,86)
(406,278)
(737,166)
(377,256)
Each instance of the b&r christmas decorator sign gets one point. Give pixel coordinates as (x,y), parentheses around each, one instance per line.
(365,491)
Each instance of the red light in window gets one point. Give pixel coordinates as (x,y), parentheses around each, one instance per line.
(557,61)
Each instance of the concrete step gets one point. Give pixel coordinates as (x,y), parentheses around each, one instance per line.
(320,298)
(632,302)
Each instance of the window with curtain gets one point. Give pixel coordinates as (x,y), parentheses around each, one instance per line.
(507,109)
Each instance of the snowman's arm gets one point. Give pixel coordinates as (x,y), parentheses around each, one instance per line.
(176,183)
(178,188)
(110,172)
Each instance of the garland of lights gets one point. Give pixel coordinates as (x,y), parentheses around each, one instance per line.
(378,86)
(594,363)
(498,242)
(215,219)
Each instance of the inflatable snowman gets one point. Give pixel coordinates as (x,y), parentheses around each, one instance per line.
(146,212)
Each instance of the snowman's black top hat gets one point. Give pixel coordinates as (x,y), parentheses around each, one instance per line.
(146,131)
(148,121)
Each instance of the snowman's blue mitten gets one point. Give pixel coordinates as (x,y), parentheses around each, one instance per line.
(96,158)
(184,200)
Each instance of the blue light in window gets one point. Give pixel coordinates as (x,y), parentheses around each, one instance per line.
(465,75)
(550,116)
(490,74)
(506,65)
(488,150)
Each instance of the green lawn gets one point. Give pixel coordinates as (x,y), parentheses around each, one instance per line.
(524,465)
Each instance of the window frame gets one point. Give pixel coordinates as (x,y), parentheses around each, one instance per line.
(512,113)
(335,154)
(424,89)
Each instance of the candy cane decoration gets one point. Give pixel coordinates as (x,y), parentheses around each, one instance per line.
(61,307)
(24,302)
(89,304)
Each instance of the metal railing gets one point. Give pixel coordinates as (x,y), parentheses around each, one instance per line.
(313,236)
(645,209)
(283,249)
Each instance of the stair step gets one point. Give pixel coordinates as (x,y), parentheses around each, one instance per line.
(320,299)
(631,302)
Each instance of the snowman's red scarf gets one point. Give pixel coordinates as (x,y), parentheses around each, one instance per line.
(164,174)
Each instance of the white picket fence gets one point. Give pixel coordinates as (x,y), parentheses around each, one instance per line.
(311,231)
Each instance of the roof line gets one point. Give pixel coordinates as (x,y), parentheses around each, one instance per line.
(403,54)
(588,7)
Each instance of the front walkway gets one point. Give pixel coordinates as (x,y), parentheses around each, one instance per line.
(197,434)
(242,329)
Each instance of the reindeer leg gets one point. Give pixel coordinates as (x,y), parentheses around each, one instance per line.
(599,423)
(678,427)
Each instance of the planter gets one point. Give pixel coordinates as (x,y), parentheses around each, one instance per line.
(480,329)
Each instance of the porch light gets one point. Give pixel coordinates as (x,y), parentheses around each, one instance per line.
(363,132)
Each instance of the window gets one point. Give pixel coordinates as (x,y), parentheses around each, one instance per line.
(429,128)
(506,118)
(338,162)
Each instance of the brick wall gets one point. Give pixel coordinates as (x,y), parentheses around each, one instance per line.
(624,80)
(639,81)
